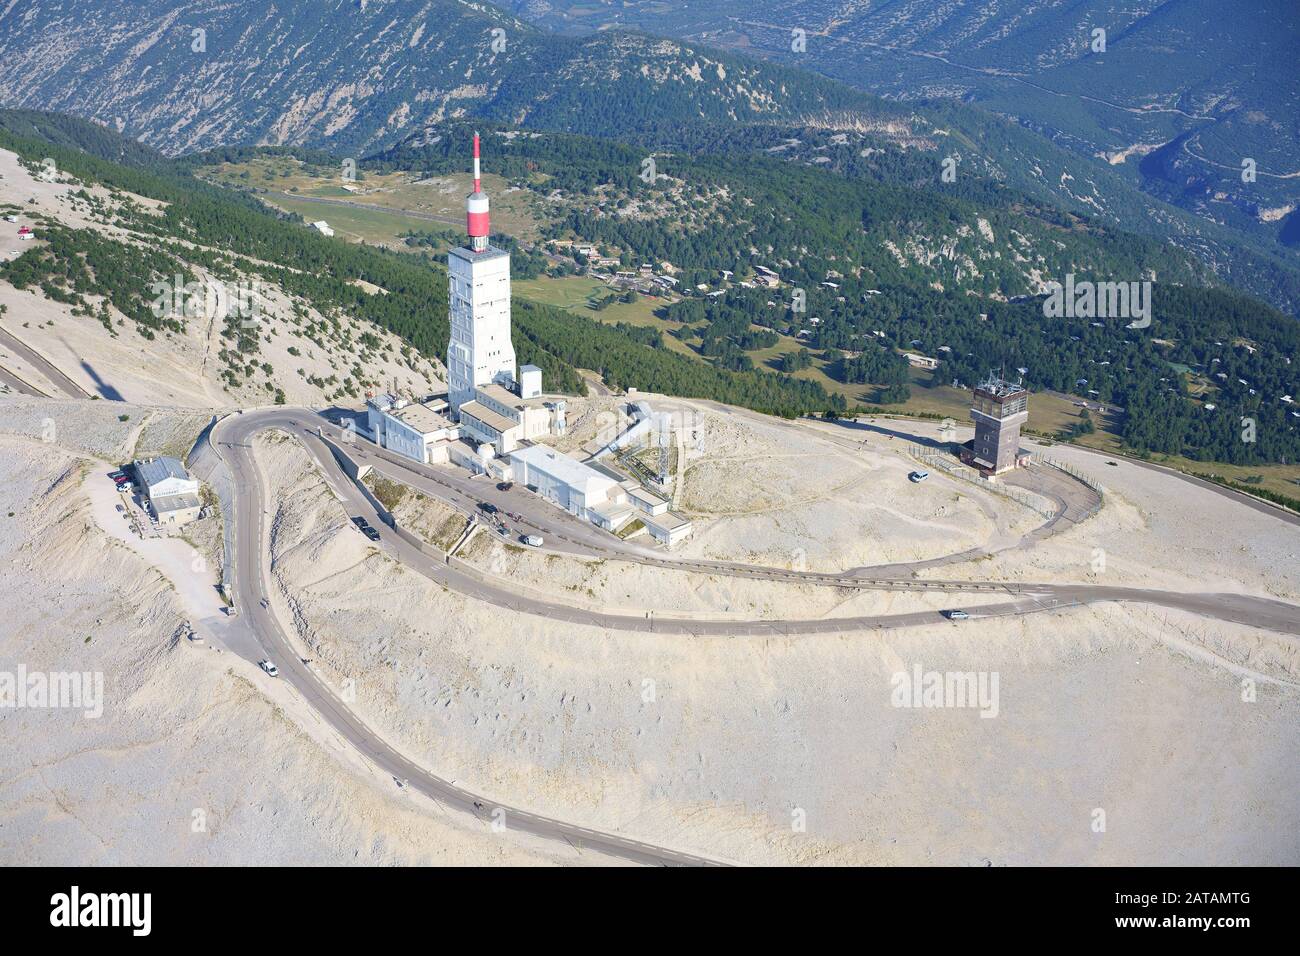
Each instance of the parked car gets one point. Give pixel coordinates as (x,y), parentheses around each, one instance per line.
(265,603)
(271,669)
(533,540)
(370,533)
(487,507)
(918,476)
(361,522)
(955,614)
(505,486)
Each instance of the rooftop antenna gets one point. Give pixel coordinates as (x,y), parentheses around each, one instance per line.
(478,186)
(476,209)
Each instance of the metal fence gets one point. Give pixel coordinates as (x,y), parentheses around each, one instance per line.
(1084,479)
(936,458)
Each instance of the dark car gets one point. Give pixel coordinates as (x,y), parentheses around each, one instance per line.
(361,522)
(505,486)
(370,533)
(487,508)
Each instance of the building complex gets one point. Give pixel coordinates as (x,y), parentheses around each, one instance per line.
(494,413)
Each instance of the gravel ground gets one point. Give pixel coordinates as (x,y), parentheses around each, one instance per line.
(770,492)
(187,733)
(723,745)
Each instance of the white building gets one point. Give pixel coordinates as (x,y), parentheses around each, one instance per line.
(322,227)
(577,488)
(494,403)
(668,527)
(480,351)
(173,496)
(504,419)
(916,360)
(647,501)
(418,430)
(595,494)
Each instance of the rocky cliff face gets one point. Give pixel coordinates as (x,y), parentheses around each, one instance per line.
(360,75)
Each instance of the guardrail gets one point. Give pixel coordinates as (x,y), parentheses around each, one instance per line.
(1081,477)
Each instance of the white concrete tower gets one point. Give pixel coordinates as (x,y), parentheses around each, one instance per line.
(480,351)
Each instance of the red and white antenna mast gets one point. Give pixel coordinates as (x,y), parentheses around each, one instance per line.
(478,187)
(476,209)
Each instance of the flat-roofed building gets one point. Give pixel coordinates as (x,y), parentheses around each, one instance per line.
(171,494)
(613,516)
(415,430)
(577,488)
(667,528)
(917,360)
(502,418)
(999,409)
(647,501)
(484,424)
(530,382)
(176,509)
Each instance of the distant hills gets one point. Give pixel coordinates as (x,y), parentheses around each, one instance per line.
(357,77)
(1202,84)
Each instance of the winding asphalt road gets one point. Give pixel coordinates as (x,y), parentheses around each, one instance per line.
(329,446)
(39,361)
(268,639)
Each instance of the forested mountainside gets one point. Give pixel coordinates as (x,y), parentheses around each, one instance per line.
(1113,81)
(359,77)
(880,271)
(107,278)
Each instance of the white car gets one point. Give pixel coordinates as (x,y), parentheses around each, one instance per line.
(271,669)
(533,540)
(918,476)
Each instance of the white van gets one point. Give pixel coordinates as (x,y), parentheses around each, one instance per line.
(533,540)
(918,476)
